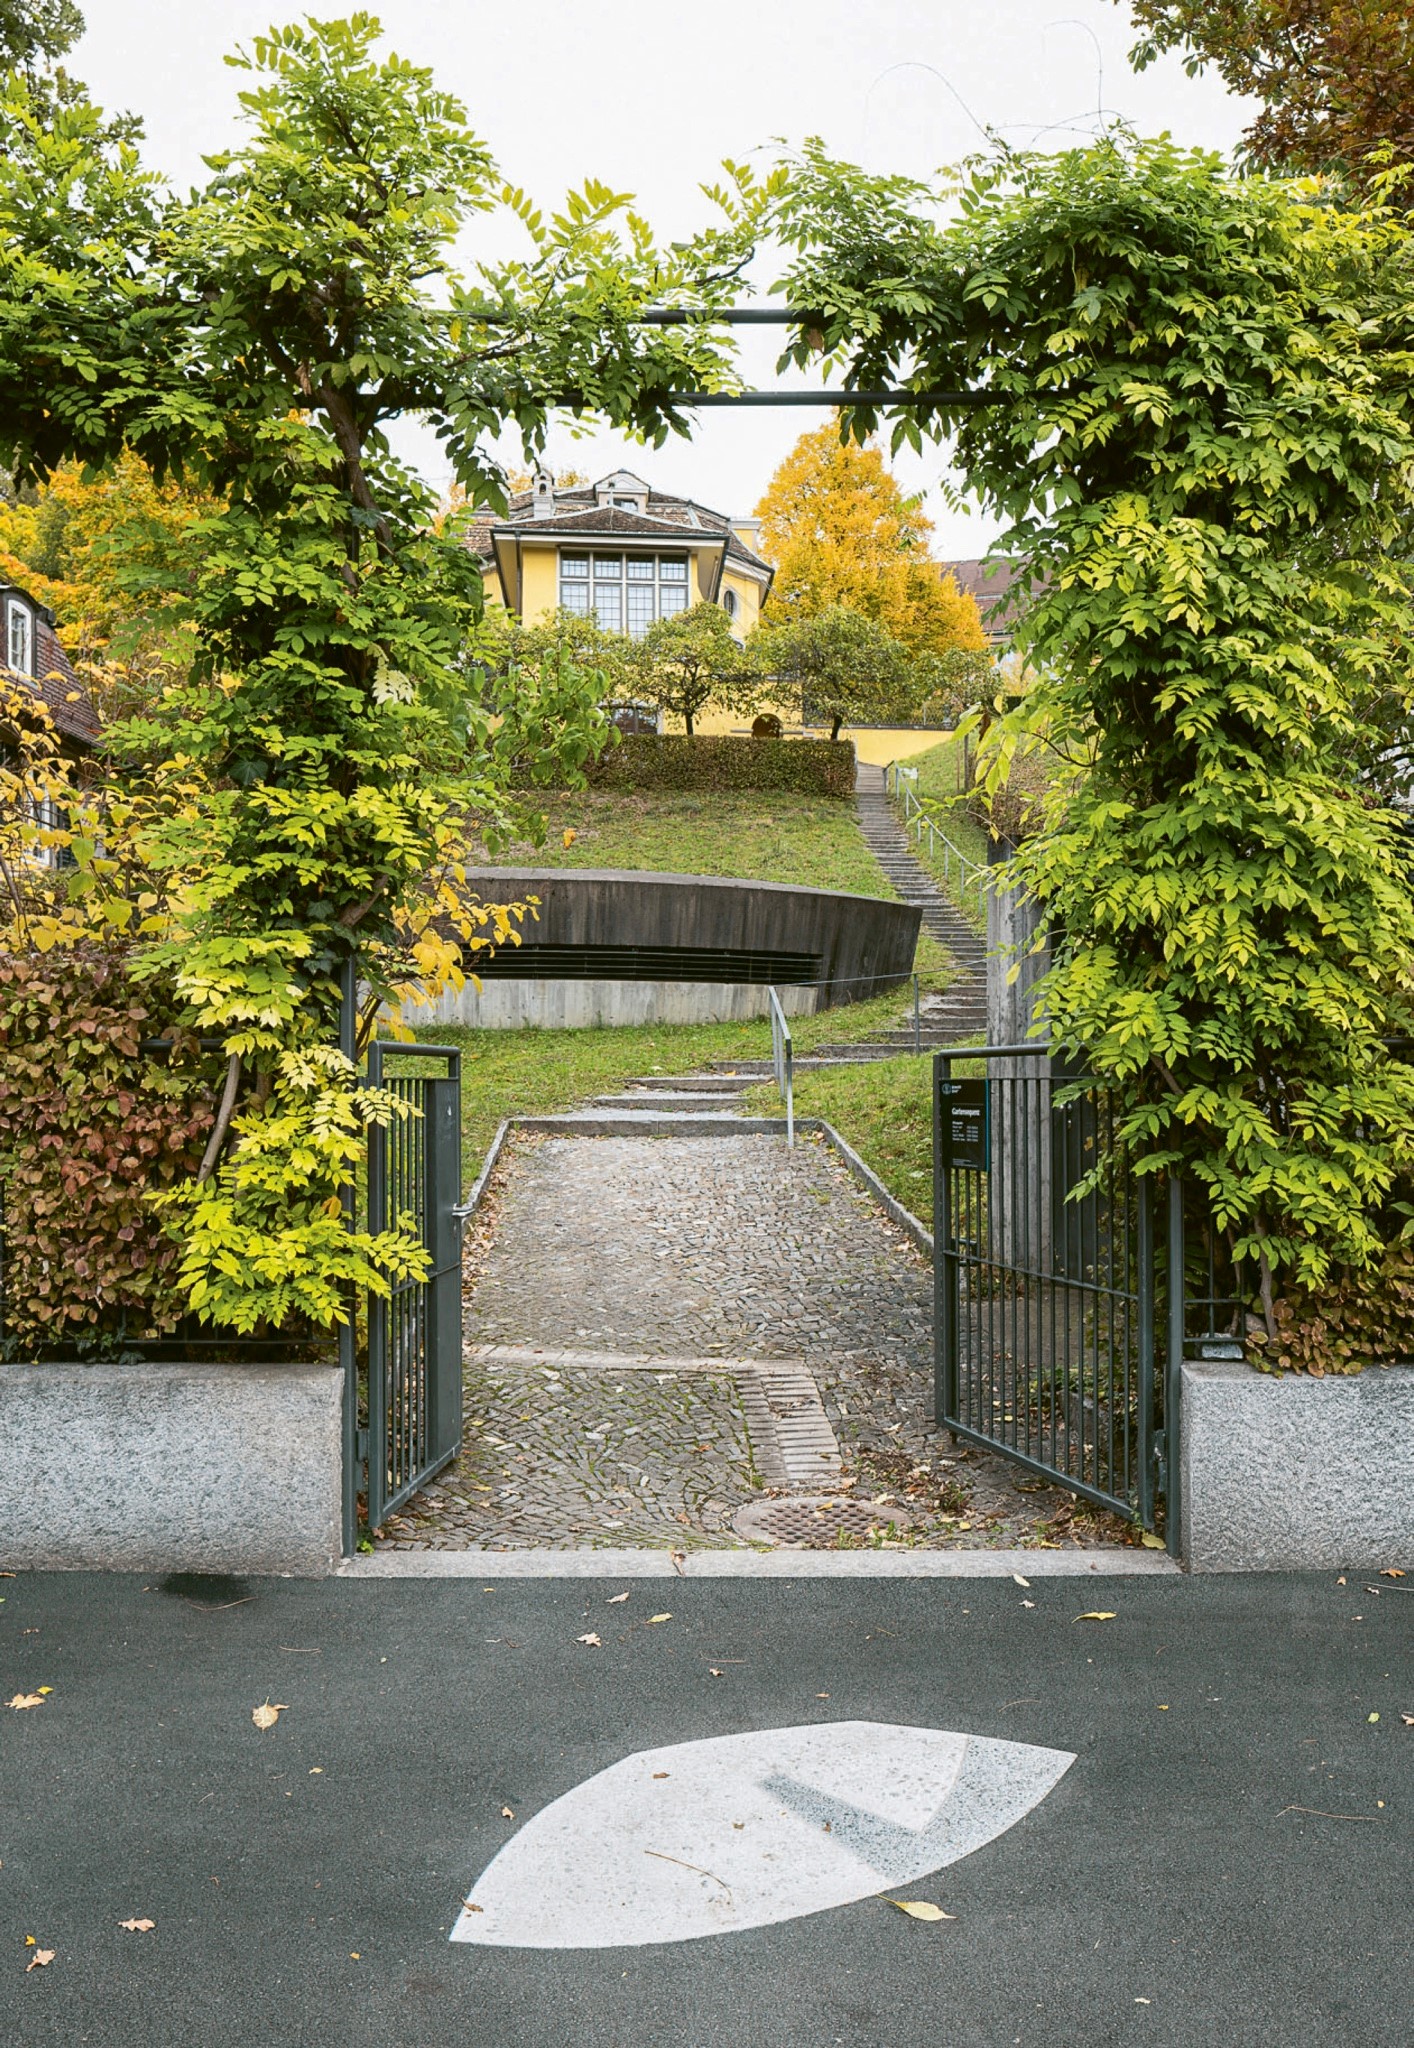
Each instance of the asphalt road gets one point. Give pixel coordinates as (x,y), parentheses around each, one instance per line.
(1172,1889)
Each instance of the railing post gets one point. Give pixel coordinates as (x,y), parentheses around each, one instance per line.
(945,1275)
(917,1018)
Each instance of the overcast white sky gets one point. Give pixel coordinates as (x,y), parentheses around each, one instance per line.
(650,95)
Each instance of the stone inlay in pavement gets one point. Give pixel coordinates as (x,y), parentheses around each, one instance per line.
(736,1831)
(735,1248)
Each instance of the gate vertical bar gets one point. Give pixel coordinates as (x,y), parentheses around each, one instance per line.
(945,1271)
(348,1329)
(1173,1370)
(442,1165)
(1144,1304)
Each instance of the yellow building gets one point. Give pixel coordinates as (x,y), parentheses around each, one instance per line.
(626,552)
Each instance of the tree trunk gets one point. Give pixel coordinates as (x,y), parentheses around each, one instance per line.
(835,728)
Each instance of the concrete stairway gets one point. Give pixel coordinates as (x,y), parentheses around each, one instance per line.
(958,1015)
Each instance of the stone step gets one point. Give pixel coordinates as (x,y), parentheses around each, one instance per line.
(717,1100)
(653,1123)
(688,1084)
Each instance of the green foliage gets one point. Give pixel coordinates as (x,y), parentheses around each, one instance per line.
(36,31)
(305,793)
(1199,421)
(1335,78)
(689,661)
(842,665)
(88,1123)
(724,761)
(266,1247)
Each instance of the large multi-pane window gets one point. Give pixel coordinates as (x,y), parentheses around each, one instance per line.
(625,592)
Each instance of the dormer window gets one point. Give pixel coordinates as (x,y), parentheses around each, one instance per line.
(19,637)
(621,492)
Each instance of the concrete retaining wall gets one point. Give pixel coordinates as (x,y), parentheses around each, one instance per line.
(510,1005)
(171,1467)
(1286,1473)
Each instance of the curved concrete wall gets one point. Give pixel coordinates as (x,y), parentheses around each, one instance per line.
(660,948)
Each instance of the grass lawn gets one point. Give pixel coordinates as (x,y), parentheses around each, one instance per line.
(814,841)
(538,1073)
(885,1111)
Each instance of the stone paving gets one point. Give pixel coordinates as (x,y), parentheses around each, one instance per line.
(694,1248)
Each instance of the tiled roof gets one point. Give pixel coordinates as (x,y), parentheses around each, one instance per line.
(578,515)
(55,680)
(989,583)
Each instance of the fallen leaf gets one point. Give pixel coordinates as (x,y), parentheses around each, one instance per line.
(1152,1542)
(506,1813)
(660,1774)
(354,1956)
(1372,1717)
(1028,1603)
(138,1926)
(471,1907)
(266,1716)
(569,835)
(920,1909)
(44,1691)
(1017,1578)
(657,1617)
(1095,1614)
(26,1699)
(713,1672)
(41,1959)
(1340,1582)
(822,1695)
(593,1641)
(1392,1571)
(617,1599)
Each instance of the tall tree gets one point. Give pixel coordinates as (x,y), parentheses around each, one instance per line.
(843,665)
(690,661)
(1335,77)
(1193,396)
(841,532)
(257,337)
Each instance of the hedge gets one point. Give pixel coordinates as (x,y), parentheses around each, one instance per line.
(88,1125)
(725,762)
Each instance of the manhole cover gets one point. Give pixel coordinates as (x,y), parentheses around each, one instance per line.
(814,1521)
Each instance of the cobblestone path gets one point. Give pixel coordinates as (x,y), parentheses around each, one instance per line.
(695,1247)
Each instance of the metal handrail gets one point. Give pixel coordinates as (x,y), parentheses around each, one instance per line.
(783,1062)
(915,818)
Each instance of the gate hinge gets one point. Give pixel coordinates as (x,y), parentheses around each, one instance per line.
(1160,1452)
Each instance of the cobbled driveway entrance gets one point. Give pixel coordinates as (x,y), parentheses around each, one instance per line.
(636,1307)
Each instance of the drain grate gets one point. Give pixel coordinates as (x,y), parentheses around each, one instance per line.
(815,1521)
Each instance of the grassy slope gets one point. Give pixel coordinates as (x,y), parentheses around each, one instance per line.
(939,783)
(885,1111)
(813,841)
(761,838)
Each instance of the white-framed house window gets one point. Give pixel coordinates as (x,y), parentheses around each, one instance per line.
(625,592)
(19,637)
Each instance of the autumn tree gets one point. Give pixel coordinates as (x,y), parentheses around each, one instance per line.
(841,532)
(690,661)
(115,557)
(1335,77)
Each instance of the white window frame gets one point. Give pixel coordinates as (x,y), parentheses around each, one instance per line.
(577,588)
(17,611)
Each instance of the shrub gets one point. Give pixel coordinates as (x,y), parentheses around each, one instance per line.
(88,1125)
(726,761)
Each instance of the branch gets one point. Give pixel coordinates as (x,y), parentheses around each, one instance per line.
(223,1120)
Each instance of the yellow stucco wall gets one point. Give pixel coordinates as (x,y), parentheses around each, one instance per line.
(875,744)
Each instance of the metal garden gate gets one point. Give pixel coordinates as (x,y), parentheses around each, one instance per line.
(1045,1276)
(408,1421)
